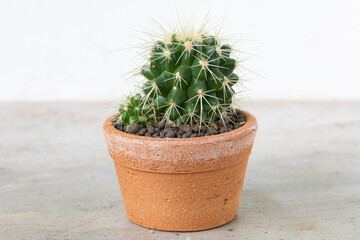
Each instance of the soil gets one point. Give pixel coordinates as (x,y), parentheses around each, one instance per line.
(161,130)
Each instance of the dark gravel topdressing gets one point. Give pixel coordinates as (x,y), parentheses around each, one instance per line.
(161,130)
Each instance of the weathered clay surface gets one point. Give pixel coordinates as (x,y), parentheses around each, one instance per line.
(181,184)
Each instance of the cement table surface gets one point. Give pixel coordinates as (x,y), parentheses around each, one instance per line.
(57,180)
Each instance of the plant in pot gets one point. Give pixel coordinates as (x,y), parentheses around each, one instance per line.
(179,146)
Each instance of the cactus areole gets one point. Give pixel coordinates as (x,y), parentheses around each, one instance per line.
(188,79)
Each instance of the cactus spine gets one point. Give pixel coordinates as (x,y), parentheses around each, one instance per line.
(189,79)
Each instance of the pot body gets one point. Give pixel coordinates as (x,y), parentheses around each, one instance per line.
(181,184)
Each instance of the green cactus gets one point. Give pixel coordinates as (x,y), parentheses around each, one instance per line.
(189,79)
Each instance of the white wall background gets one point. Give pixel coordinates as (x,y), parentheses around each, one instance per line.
(67,50)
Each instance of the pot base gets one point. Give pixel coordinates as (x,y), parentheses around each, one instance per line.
(183,201)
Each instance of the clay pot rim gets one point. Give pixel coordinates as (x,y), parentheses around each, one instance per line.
(250,125)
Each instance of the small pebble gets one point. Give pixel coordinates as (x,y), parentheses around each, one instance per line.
(193,135)
(118,127)
(142,132)
(203,128)
(134,128)
(187,129)
(150,128)
(156,135)
(189,132)
(186,135)
(148,134)
(170,134)
(196,129)
(212,131)
(152,231)
(162,134)
(161,125)
(241,118)
(222,130)
(237,125)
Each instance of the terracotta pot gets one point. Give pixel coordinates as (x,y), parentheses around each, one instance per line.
(181,184)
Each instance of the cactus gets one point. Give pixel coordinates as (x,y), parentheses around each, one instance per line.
(189,78)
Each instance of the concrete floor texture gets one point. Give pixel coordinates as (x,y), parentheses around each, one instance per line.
(57,180)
